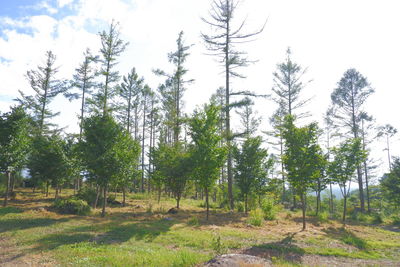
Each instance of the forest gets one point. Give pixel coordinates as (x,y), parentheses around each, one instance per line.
(143,183)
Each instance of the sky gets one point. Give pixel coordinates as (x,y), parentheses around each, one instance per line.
(326,37)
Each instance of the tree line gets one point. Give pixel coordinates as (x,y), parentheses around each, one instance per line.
(136,138)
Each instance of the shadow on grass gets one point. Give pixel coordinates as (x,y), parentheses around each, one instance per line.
(22,223)
(7,210)
(284,249)
(346,237)
(144,230)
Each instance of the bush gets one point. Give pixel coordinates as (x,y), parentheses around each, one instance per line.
(72,206)
(256,217)
(87,194)
(377,218)
(269,210)
(194,221)
(217,245)
(395,219)
(323,216)
(240,206)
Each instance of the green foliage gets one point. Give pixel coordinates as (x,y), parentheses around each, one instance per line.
(269,209)
(390,184)
(323,217)
(194,221)
(250,171)
(48,162)
(395,219)
(256,217)
(239,206)
(87,194)
(217,244)
(72,206)
(206,155)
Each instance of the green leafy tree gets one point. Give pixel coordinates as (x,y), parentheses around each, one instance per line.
(346,158)
(127,151)
(222,43)
(14,143)
(250,167)
(46,87)
(391,184)
(348,99)
(302,158)
(101,136)
(207,156)
(48,161)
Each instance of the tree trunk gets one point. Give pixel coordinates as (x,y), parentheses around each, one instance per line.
(103,211)
(7,189)
(245,204)
(303,202)
(207,204)
(47,189)
(98,189)
(178,199)
(344,210)
(159,195)
(12,187)
(56,194)
(123,196)
(331,199)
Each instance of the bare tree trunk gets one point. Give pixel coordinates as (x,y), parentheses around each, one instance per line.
(98,189)
(47,189)
(303,202)
(123,196)
(103,211)
(12,187)
(207,204)
(331,198)
(7,189)
(56,194)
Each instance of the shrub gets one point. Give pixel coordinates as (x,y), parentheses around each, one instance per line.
(377,218)
(217,245)
(194,221)
(269,210)
(72,206)
(240,206)
(256,217)
(395,219)
(323,216)
(88,194)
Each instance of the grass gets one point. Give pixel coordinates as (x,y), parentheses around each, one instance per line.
(134,236)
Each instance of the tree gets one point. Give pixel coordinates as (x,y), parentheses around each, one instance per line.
(176,83)
(391,184)
(388,131)
(207,157)
(348,98)
(48,161)
(347,157)
(101,136)
(222,45)
(250,167)
(127,152)
(83,82)
(288,85)
(248,118)
(303,157)
(46,87)
(130,91)
(14,143)
(111,48)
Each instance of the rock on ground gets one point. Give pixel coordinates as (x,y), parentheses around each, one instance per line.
(238,260)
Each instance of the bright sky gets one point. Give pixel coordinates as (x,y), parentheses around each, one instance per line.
(327,37)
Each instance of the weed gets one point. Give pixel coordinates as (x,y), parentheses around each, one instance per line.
(256,217)
(217,245)
(194,221)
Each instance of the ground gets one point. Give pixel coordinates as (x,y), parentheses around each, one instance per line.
(144,234)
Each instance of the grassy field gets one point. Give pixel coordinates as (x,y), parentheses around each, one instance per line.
(143,234)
